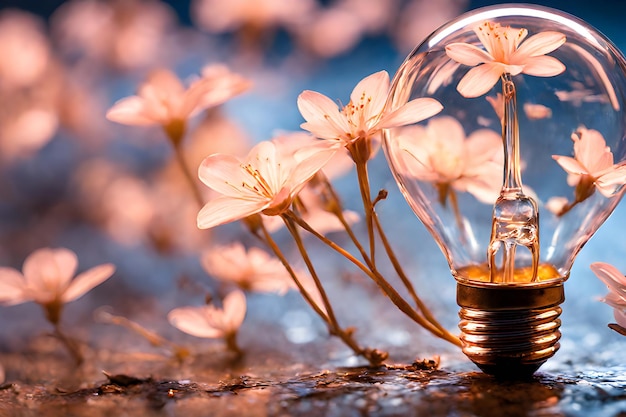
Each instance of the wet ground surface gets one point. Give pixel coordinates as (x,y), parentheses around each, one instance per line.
(43,382)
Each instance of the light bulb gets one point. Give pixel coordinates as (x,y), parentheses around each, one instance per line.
(522,166)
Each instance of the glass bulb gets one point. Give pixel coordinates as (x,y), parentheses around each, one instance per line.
(521,167)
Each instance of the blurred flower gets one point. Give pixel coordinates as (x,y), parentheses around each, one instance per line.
(419,18)
(360,122)
(24,48)
(217,16)
(31,83)
(556,205)
(120,203)
(125,34)
(251,270)
(211,322)
(592,165)
(537,111)
(616,282)
(266,182)
(27,132)
(330,32)
(440,153)
(46,279)
(163,100)
(579,95)
(504,55)
(335,29)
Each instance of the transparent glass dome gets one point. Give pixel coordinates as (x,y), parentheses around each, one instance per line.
(525,161)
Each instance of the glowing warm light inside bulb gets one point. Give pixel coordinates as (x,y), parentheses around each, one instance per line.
(523,275)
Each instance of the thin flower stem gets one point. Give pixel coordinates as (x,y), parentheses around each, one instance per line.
(180,158)
(231,344)
(70,344)
(337,210)
(178,352)
(393,295)
(368,208)
(307,260)
(405,280)
(333,323)
(272,244)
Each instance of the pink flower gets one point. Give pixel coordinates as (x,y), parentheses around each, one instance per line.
(219,16)
(209,321)
(46,279)
(252,270)
(312,204)
(616,282)
(363,118)
(266,181)
(557,205)
(440,153)
(126,35)
(22,39)
(164,100)
(537,111)
(591,165)
(505,54)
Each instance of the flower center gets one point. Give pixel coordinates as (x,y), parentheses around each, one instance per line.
(356,114)
(260,185)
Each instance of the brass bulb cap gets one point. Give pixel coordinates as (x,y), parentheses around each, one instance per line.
(510,331)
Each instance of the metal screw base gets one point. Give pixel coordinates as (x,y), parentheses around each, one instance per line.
(509,332)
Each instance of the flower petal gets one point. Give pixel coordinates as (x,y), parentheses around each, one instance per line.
(611,277)
(412,112)
(591,151)
(543,66)
(227,209)
(50,270)
(161,83)
(221,262)
(224,174)
(323,117)
(11,287)
(371,91)
(310,161)
(130,111)
(620,316)
(540,44)
(467,54)
(86,281)
(479,80)
(234,310)
(193,321)
(610,181)
(570,165)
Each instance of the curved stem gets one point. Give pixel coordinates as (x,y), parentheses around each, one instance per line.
(337,210)
(179,352)
(405,279)
(393,295)
(70,344)
(368,208)
(279,254)
(307,260)
(333,324)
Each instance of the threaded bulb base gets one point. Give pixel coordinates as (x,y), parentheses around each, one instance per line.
(509,332)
